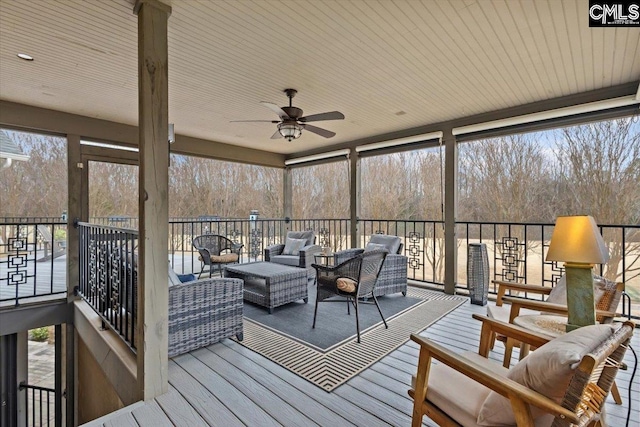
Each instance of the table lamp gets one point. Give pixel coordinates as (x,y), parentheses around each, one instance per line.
(577,242)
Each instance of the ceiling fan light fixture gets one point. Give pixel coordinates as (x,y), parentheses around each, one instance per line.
(290,131)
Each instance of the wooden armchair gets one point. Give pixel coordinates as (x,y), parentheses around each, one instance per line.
(564,382)
(609,296)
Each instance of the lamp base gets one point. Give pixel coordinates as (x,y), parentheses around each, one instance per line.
(580,299)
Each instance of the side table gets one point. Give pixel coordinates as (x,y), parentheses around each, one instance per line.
(323,259)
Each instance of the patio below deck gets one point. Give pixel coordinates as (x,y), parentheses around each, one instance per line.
(228,384)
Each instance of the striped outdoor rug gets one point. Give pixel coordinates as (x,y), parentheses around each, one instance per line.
(330,369)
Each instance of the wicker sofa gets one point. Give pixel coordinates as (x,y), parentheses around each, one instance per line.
(203,312)
(393,275)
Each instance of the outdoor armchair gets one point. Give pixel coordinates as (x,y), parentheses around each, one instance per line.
(297,251)
(203,312)
(216,251)
(393,275)
(565,382)
(354,279)
(608,295)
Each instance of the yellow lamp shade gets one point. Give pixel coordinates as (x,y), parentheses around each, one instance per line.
(576,239)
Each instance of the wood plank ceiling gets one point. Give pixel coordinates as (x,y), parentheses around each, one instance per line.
(387,65)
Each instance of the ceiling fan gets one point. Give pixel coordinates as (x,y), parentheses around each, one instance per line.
(292,122)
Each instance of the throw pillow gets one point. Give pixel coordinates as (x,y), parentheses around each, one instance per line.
(346,285)
(392,243)
(558,294)
(293,246)
(373,246)
(308,235)
(547,370)
(186,278)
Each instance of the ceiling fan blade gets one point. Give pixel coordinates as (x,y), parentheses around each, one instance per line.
(254,121)
(273,107)
(318,131)
(331,115)
(276,135)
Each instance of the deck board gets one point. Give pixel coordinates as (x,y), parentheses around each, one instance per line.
(313,409)
(179,411)
(201,399)
(282,410)
(151,415)
(232,398)
(210,380)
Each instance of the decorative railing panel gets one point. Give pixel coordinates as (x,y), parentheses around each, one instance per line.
(108,276)
(517,252)
(28,251)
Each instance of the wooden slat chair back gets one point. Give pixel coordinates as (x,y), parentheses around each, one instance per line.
(584,397)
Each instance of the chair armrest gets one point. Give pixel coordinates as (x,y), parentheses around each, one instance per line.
(349,268)
(205,254)
(272,250)
(307,255)
(236,247)
(396,258)
(518,333)
(547,307)
(341,256)
(504,286)
(518,394)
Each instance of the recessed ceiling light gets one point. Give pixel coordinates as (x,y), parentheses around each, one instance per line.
(25,57)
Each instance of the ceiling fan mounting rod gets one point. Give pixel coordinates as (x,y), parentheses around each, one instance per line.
(290,93)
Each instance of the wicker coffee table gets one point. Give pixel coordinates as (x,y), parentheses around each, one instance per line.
(270,285)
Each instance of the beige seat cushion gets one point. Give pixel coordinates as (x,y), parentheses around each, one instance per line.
(502,312)
(346,285)
(221,259)
(547,370)
(444,391)
(445,385)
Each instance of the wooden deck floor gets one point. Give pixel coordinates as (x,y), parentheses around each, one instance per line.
(227,385)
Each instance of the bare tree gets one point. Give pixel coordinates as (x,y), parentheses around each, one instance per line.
(600,175)
(321,191)
(38,186)
(505,180)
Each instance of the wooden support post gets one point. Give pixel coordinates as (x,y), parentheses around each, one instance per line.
(354,192)
(287,195)
(77,208)
(153,123)
(450,210)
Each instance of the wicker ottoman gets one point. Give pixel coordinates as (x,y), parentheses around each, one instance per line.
(270,285)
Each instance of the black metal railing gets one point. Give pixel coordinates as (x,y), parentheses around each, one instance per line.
(28,250)
(516,250)
(40,406)
(108,276)
(517,253)
(423,245)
